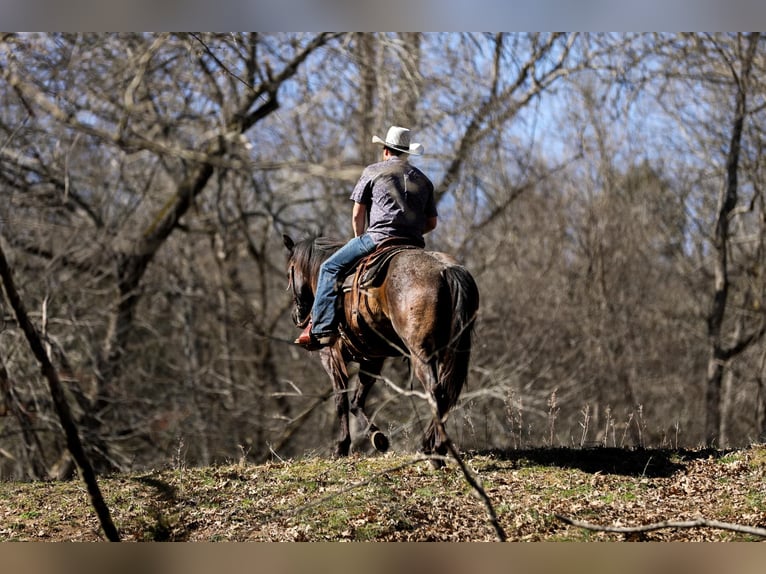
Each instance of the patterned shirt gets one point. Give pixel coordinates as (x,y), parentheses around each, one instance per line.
(399,198)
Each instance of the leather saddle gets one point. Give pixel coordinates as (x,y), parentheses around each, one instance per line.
(369,273)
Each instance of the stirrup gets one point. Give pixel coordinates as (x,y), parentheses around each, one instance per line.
(309,341)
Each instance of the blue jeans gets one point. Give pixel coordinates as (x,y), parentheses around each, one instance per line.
(323,313)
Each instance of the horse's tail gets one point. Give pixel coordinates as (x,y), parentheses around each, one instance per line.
(455,355)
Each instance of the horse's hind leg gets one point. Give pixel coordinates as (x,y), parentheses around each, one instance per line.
(368,373)
(434,440)
(333,363)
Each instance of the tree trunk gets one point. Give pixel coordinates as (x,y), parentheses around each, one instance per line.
(727,202)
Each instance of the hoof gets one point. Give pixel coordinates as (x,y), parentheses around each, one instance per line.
(341,451)
(379,441)
(436,463)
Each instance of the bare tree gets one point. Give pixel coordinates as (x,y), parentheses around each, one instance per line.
(140,117)
(722,70)
(722,347)
(74,444)
(146,180)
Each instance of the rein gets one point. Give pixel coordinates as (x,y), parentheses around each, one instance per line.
(300,323)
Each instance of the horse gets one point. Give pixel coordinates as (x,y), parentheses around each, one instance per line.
(423,306)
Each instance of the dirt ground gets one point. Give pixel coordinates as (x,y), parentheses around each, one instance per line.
(398,497)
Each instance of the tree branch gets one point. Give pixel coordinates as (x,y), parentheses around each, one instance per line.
(469,477)
(697,523)
(59,400)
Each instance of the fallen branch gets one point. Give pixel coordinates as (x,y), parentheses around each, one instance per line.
(472,480)
(697,523)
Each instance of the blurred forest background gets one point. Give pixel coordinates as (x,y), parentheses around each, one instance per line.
(606,191)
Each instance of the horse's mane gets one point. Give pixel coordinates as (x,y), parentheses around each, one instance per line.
(309,254)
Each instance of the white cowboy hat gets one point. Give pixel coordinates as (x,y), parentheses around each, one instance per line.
(399,139)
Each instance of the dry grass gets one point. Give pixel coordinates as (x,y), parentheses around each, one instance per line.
(397,498)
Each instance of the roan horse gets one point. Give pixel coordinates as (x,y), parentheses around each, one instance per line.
(422,306)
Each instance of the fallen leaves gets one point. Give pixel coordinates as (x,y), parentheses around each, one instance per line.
(395,498)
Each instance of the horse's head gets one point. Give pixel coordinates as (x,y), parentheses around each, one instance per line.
(299,281)
(305,259)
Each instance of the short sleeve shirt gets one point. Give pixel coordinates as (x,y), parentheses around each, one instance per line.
(399,198)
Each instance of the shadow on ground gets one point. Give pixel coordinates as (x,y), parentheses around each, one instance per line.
(165,491)
(650,463)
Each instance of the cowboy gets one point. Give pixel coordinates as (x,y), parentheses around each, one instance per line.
(393,200)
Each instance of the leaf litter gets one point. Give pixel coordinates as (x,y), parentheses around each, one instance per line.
(398,497)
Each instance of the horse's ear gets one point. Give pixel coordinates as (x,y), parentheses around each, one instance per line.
(289,243)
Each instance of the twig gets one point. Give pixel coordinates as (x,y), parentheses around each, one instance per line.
(697,523)
(469,477)
(297,422)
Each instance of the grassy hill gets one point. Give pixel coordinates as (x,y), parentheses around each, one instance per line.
(398,497)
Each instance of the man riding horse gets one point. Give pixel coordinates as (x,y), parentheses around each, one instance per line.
(398,200)
(403,301)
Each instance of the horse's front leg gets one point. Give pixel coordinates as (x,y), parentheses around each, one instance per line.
(368,374)
(333,363)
